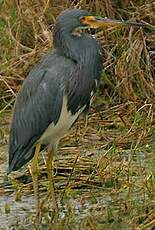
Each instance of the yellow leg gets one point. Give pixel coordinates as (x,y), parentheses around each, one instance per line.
(34,169)
(50,170)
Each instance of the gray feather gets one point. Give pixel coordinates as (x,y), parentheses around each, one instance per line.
(38,104)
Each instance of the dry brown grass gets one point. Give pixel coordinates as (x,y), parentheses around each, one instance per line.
(120,128)
(25,30)
(103,178)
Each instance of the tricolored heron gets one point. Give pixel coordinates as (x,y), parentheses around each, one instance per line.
(56,92)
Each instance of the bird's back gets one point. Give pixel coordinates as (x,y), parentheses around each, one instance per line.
(38,104)
(40,100)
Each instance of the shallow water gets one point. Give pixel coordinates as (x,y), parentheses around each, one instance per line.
(109,188)
(84,199)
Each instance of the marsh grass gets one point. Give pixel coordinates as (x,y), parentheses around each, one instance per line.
(25,29)
(104,179)
(105,170)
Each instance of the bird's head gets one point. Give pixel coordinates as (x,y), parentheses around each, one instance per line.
(77,18)
(70,21)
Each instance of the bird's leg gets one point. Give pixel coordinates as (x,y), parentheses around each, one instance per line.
(34,172)
(50,170)
(86,123)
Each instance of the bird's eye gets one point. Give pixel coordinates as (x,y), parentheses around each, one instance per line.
(87,19)
(82,19)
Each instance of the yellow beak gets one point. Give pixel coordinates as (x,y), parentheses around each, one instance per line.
(94,22)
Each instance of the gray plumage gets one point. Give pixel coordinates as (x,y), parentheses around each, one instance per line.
(73,70)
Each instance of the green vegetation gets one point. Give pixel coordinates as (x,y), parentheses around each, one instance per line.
(111,162)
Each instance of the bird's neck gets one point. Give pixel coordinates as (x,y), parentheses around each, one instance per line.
(83,50)
(65,44)
(71,46)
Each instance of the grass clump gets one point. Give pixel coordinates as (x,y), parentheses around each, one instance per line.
(25,29)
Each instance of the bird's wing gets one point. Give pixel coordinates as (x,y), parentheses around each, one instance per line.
(38,104)
(81,88)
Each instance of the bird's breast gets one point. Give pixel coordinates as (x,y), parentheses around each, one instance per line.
(55,132)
